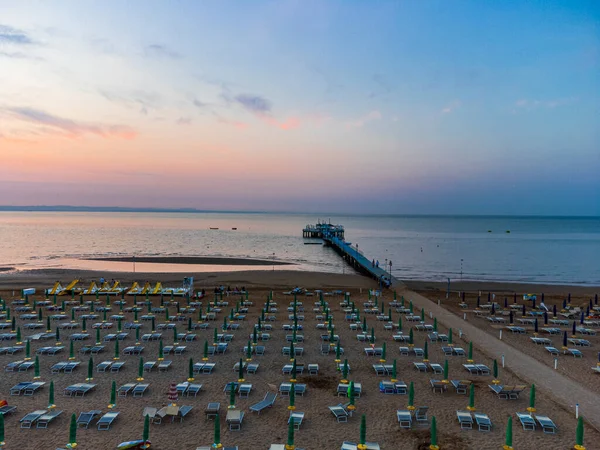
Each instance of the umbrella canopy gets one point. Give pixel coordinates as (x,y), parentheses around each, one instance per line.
(173,392)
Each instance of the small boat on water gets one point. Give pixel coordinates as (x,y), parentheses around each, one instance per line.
(213,228)
(234,228)
(312,243)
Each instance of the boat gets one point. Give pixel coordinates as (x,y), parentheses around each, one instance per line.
(213,228)
(312,243)
(234,228)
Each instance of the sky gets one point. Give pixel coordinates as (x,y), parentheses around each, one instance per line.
(416,107)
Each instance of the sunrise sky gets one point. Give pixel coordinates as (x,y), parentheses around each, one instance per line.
(449,107)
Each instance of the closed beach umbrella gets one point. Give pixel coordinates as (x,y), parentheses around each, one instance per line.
(515,297)
(569,298)
(411,307)
(72,315)
(435,328)
(57,336)
(471,406)
(508,440)
(531,399)
(98,341)
(84,324)
(19,336)
(249,352)
(505,302)
(478,301)
(579,435)
(71,351)
(493,311)
(582,318)
(535,326)
(533,303)
(564,304)
(394,379)
(425,352)
(90,370)
(389,314)
(345,371)
(116,357)
(511,317)
(410,337)
(27,350)
(113,395)
(153,324)
(215,337)
(140,369)
(363,433)
(36,368)
(40,315)
(450,337)
(146,432)
(292,351)
(495,372)
(564,340)
(255,336)
(2,443)
(175,336)
(422,314)
(72,432)
(51,404)
(574,328)
(372,335)
(445,370)
(205,354)
(217,439)
(241,371)
(161,356)
(224,323)
(364,325)
(137,336)
(411,396)
(290,439)
(545,318)
(524,310)
(189,324)
(172,393)
(13,325)
(191,370)
(338,351)
(292,396)
(470,355)
(400,324)
(433,445)
(383,351)
(231,396)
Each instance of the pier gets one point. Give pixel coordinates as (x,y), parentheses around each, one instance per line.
(333,236)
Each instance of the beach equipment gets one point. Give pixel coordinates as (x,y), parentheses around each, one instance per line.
(205,354)
(410,338)
(531,399)
(2,443)
(51,404)
(217,433)
(337,352)
(90,373)
(172,393)
(116,357)
(113,397)
(161,355)
(445,380)
(345,371)
(36,368)
(363,433)
(411,396)
(241,371)
(140,376)
(292,396)
(191,370)
(383,352)
(231,396)
(495,372)
(290,439)
(27,350)
(579,435)
(351,406)
(471,406)
(294,371)
(425,352)
(106,420)
(72,432)
(465,420)
(433,445)
(509,435)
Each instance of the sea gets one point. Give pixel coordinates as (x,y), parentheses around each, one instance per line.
(550,250)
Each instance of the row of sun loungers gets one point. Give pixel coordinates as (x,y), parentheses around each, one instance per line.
(406,417)
(465,419)
(78,389)
(528,421)
(19,366)
(114,366)
(27,388)
(135,389)
(507,392)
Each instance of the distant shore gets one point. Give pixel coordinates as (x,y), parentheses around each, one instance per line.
(199,260)
(499,286)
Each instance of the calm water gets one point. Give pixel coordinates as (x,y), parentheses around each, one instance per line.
(548,250)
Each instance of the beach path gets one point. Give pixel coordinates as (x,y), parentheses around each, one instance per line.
(563,390)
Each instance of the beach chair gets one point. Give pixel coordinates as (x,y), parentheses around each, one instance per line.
(404,351)
(300,389)
(150,412)
(266,402)
(404,418)
(103,366)
(552,351)
(163,366)
(193,389)
(259,350)
(212,410)
(44,421)
(575,352)
(7,409)
(418,352)
(70,367)
(547,424)
(516,391)
(149,365)
(458,351)
(244,390)
(313,369)
(483,422)
(126,389)
(325,348)
(437,385)
(527,421)
(24,367)
(436,368)
(502,392)
(58,367)
(86,418)
(421,416)
(140,390)
(33,388)
(471,368)
(421,367)
(340,413)
(252,368)
(465,420)
(182,388)
(117,366)
(31,418)
(97,349)
(11,367)
(447,351)
(461,386)
(234,419)
(297,418)
(106,420)
(482,369)
(182,412)
(84,388)
(379,369)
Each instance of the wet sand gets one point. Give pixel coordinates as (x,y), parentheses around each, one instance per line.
(199,260)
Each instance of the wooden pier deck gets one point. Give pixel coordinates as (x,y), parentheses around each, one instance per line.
(356,259)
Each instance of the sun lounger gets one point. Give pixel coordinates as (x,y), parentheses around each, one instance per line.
(126,389)
(103,366)
(297,418)
(86,418)
(552,351)
(404,418)
(472,368)
(483,422)
(461,386)
(212,410)
(266,402)
(527,421)
(117,366)
(13,366)
(31,418)
(149,365)
(58,367)
(465,420)
(421,367)
(482,369)
(252,368)
(436,368)
(193,389)
(342,389)
(106,420)
(44,421)
(437,385)
(70,367)
(140,389)
(421,416)
(33,388)
(234,419)
(7,409)
(84,388)
(244,390)
(340,413)
(182,387)
(575,352)
(163,366)
(547,424)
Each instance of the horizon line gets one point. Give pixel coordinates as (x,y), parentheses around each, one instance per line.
(117,209)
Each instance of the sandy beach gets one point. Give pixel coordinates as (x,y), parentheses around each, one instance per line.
(320,428)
